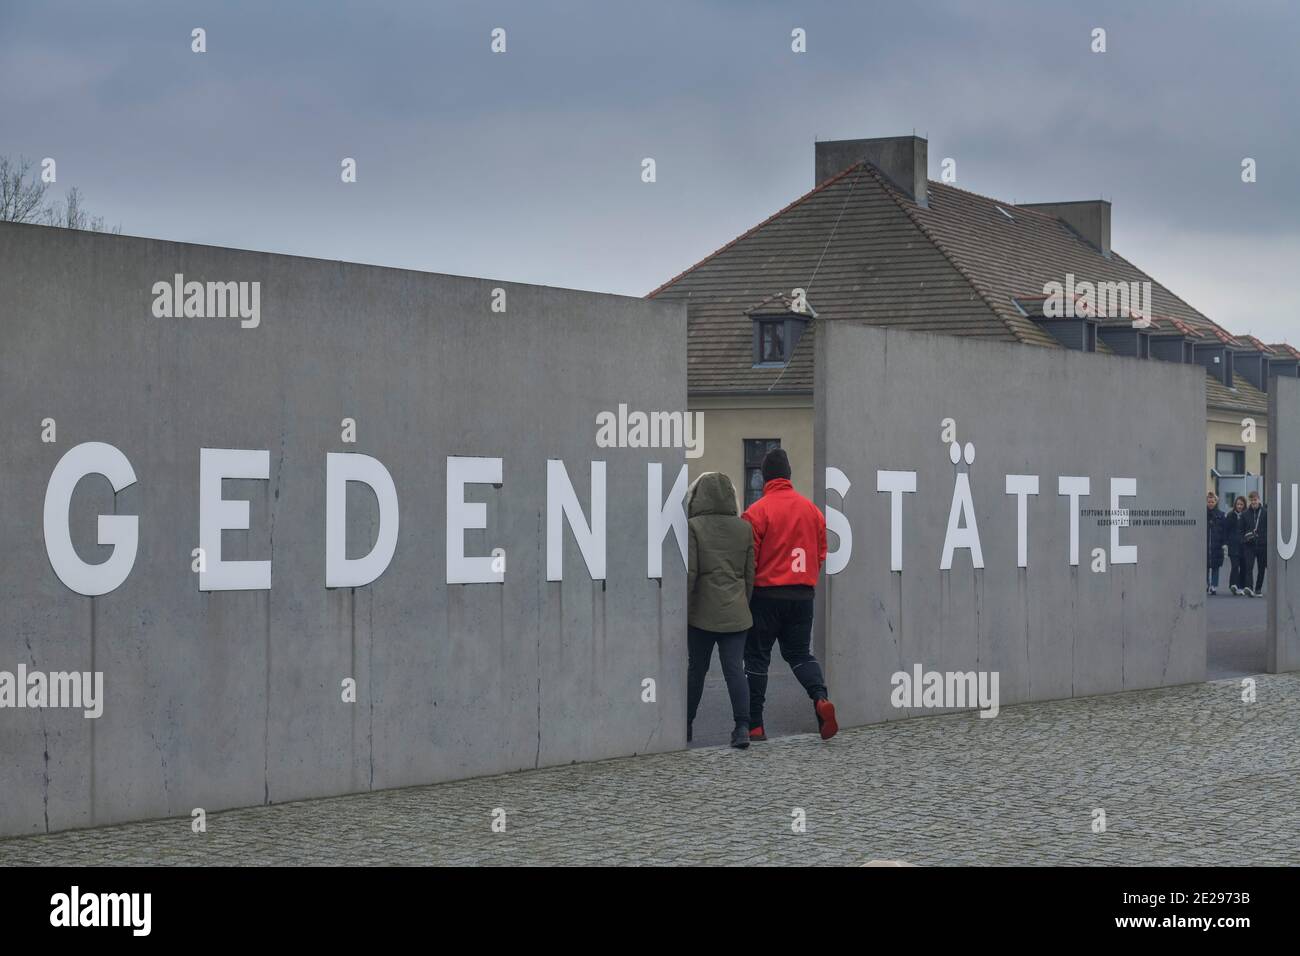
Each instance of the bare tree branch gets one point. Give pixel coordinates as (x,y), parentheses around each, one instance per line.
(22,199)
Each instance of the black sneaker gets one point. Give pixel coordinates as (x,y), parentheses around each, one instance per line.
(1248,592)
(740,736)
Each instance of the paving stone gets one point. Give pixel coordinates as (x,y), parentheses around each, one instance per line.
(1187,776)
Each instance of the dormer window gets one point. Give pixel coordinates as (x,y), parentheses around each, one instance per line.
(1123,339)
(1254,368)
(775,338)
(771,342)
(1217,359)
(1074,333)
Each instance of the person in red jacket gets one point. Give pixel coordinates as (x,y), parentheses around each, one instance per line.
(789,551)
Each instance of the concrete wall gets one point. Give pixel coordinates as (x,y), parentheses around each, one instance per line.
(223,699)
(729,421)
(1051,630)
(1282,579)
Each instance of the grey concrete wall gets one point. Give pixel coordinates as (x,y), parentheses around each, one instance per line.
(225,699)
(1282,579)
(1050,630)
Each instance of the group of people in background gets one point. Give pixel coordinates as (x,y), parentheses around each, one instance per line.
(1243,533)
(751,581)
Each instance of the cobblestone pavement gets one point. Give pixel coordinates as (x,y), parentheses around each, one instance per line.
(1188,775)
(1236,638)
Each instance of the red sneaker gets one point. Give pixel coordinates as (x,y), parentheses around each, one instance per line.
(825,711)
(756,733)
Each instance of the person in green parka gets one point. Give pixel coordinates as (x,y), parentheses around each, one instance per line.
(720,580)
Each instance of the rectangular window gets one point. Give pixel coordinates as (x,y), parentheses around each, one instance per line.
(771,342)
(755,449)
(1230,461)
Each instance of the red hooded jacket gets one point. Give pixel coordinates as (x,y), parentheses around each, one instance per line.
(789,537)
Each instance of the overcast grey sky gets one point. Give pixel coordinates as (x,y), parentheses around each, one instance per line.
(526,165)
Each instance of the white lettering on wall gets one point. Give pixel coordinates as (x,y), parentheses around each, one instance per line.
(1022,486)
(837,523)
(1121,553)
(121,532)
(341,571)
(662,515)
(897,483)
(1075,487)
(465,515)
(561,505)
(216,514)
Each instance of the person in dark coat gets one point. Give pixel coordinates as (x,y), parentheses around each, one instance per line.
(1254,542)
(1214,541)
(1233,528)
(719,582)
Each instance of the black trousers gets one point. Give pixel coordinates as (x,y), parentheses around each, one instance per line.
(731,651)
(789,624)
(1261,565)
(1239,575)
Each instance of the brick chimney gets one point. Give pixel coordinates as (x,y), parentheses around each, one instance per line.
(902,159)
(1089,218)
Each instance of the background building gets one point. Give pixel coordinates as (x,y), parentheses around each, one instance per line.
(877,241)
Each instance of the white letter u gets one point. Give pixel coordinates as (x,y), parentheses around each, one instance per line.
(1286,546)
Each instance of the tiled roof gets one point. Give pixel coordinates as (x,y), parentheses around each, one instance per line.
(1288,351)
(1221,335)
(1242,397)
(1181,326)
(1010,256)
(863,250)
(857,254)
